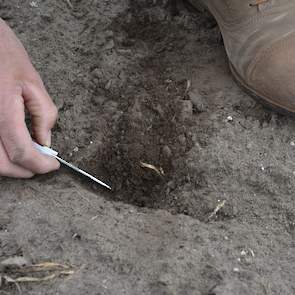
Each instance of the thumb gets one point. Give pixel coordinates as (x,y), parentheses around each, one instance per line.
(42,110)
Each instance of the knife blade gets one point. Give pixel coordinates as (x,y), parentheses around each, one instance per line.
(52,153)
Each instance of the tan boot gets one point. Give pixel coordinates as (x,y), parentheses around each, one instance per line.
(259,37)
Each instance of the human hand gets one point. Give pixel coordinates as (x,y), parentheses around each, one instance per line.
(22,88)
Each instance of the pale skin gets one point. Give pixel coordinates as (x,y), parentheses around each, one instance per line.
(22,88)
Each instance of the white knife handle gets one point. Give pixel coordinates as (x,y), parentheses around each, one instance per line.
(45,150)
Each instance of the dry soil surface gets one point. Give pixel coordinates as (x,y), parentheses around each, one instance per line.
(147,81)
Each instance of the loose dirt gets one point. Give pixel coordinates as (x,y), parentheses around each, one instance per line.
(148,82)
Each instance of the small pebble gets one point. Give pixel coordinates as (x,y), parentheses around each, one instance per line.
(167,151)
(182,139)
(108,33)
(198,101)
(229,119)
(171,184)
(100,40)
(108,85)
(97,73)
(292,143)
(236,269)
(76,149)
(110,45)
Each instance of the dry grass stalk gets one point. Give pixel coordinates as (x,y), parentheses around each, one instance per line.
(69,4)
(218,208)
(159,170)
(53,270)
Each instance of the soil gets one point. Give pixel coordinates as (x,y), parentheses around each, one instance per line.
(141,83)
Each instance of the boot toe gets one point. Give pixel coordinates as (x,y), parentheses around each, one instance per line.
(272,75)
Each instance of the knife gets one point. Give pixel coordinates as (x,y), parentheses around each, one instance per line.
(52,153)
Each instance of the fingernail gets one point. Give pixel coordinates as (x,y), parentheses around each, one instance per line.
(48,140)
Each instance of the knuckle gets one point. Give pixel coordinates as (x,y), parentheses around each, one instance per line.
(20,156)
(34,78)
(17,155)
(50,114)
(53,113)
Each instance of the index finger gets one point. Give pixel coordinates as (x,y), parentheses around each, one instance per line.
(18,143)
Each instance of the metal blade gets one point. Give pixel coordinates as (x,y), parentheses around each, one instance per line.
(82,172)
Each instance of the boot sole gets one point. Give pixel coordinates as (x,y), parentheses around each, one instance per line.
(267,102)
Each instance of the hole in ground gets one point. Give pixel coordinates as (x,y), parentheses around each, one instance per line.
(155,118)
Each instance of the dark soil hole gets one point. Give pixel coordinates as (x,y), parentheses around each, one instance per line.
(153,117)
(155,114)
(153,128)
(139,156)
